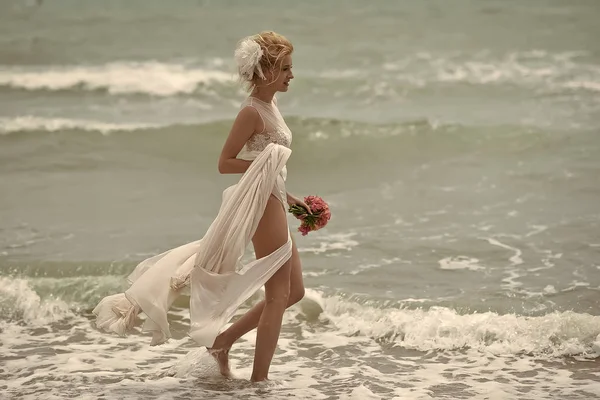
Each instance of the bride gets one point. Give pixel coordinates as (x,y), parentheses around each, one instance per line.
(254,209)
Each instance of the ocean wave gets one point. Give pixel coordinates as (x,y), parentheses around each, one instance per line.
(19,302)
(593,86)
(319,127)
(440,328)
(536,68)
(557,334)
(361,147)
(30,123)
(151,78)
(531,68)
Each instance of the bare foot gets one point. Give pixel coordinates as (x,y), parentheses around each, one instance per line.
(221,356)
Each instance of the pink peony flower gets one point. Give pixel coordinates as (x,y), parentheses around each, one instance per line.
(312,222)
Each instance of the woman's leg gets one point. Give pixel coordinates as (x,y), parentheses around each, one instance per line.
(250,319)
(271,234)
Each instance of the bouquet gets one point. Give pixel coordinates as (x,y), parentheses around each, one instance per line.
(315,221)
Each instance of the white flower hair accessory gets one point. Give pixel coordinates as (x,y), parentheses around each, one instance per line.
(247,57)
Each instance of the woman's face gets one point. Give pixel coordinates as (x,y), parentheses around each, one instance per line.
(280,79)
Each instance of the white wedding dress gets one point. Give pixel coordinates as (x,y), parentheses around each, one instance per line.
(211,267)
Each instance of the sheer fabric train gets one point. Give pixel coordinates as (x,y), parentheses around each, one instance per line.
(211,267)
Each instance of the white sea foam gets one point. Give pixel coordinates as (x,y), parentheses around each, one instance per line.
(32,123)
(441,328)
(314,361)
(361,393)
(152,78)
(460,262)
(516,258)
(382,263)
(593,86)
(19,302)
(531,68)
(332,243)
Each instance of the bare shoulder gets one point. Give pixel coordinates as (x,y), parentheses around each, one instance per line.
(248,114)
(246,123)
(249,120)
(246,120)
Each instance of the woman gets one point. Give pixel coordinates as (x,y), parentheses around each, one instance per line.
(252,210)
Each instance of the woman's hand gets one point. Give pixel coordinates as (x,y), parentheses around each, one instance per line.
(293,200)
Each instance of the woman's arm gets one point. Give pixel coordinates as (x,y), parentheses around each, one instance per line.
(246,123)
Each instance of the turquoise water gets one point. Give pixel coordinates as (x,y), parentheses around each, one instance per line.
(457,146)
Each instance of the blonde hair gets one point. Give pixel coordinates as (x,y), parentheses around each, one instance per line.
(274,48)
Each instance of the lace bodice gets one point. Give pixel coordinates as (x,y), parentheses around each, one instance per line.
(275,131)
(259,141)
